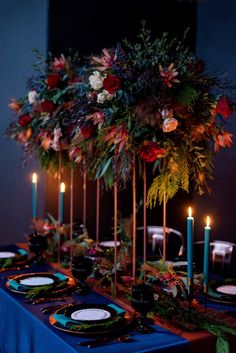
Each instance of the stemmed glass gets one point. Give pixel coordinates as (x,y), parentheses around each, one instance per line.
(82,267)
(37,244)
(142,300)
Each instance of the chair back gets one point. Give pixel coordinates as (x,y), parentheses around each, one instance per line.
(175,241)
(221,253)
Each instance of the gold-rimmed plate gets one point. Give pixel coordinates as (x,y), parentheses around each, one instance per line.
(53,285)
(12,258)
(112,324)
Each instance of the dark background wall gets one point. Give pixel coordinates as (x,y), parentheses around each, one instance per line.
(23,24)
(216,38)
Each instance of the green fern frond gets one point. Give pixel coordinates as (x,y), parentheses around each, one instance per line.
(188,96)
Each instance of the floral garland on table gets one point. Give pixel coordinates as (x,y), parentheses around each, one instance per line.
(81,244)
(151,101)
(171,304)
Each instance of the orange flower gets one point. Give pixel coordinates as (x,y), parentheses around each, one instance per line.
(15,105)
(25,136)
(223,140)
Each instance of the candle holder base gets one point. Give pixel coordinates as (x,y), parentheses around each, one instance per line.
(190,298)
(205,291)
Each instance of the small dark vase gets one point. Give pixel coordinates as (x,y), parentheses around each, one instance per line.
(37,244)
(82,267)
(142,300)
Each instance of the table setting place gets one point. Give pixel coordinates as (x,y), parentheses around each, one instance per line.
(90,317)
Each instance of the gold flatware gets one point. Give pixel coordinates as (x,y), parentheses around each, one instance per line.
(45,300)
(51,308)
(105,340)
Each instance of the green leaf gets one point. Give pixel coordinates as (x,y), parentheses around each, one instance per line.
(222,345)
(105,167)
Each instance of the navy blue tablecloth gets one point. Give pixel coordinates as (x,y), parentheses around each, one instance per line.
(24,329)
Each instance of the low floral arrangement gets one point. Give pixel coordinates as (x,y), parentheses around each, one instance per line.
(147,101)
(171,304)
(81,244)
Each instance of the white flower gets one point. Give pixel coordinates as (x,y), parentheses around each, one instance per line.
(96,80)
(104,96)
(166,113)
(169,124)
(32,96)
(55,143)
(108,95)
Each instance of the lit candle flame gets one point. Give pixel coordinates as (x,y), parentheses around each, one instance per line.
(190,211)
(34,178)
(63,187)
(208,221)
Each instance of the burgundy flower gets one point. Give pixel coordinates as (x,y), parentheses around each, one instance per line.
(111,83)
(197,66)
(46,107)
(24,120)
(87,131)
(151,152)
(53,80)
(224,107)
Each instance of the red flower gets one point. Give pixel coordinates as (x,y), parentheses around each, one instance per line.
(59,63)
(151,152)
(75,154)
(53,80)
(197,66)
(87,131)
(24,120)
(224,107)
(46,107)
(111,84)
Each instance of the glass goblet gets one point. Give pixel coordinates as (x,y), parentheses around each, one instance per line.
(37,244)
(81,268)
(142,300)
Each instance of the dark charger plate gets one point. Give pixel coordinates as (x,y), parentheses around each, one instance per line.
(215,293)
(69,283)
(121,325)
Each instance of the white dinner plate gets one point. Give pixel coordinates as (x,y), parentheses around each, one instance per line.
(7,254)
(227,289)
(90,314)
(36,281)
(109,244)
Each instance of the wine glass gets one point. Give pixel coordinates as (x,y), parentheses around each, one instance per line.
(37,244)
(82,267)
(142,300)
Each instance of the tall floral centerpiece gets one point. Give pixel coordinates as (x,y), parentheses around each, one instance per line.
(147,101)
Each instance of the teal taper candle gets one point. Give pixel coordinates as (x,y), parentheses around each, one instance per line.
(62,193)
(206,253)
(34,195)
(190,221)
